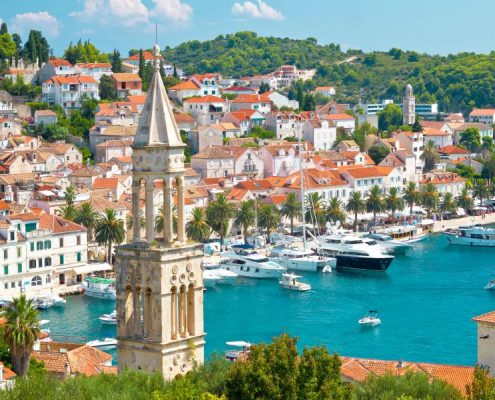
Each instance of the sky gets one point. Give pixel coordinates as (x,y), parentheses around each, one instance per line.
(432,26)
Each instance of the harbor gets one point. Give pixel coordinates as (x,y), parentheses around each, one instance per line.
(425,300)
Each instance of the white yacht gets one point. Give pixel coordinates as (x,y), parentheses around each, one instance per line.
(370,319)
(472,236)
(251,265)
(490,285)
(289,281)
(57,300)
(391,245)
(410,233)
(109,319)
(100,288)
(210,278)
(300,260)
(107,343)
(354,252)
(223,276)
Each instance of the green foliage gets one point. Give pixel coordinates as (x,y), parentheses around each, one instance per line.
(390,118)
(197,227)
(415,386)
(107,89)
(52,132)
(359,135)
(20,88)
(430,156)
(84,52)
(482,386)
(275,372)
(36,48)
(268,219)
(378,152)
(116,61)
(291,208)
(245,217)
(245,53)
(260,133)
(218,215)
(471,139)
(7,47)
(110,230)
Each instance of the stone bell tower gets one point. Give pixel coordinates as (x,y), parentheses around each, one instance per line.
(159,279)
(408,106)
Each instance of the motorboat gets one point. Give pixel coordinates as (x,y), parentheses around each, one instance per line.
(289,281)
(411,233)
(490,285)
(472,236)
(250,264)
(370,319)
(109,319)
(326,269)
(353,252)
(43,303)
(210,278)
(107,343)
(391,245)
(300,260)
(57,300)
(241,346)
(101,288)
(224,276)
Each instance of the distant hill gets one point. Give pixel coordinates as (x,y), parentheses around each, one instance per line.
(457,82)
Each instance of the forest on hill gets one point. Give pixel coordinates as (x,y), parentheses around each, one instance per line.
(457,82)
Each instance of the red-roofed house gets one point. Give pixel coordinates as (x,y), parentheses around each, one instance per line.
(6,377)
(45,117)
(327,91)
(361,179)
(345,121)
(68,91)
(94,69)
(55,67)
(184,90)
(283,159)
(245,120)
(127,84)
(321,133)
(111,185)
(258,102)
(453,152)
(206,110)
(208,83)
(440,137)
(445,182)
(486,341)
(113,148)
(483,116)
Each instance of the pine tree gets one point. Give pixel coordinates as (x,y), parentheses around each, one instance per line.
(3,28)
(116,61)
(141,64)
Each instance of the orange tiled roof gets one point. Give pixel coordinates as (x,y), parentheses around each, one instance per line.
(186,85)
(259,184)
(87,360)
(358,369)
(105,183)
(205,99)
(137,98)
(147,55)
(7,373)
(53,361)
(57,224)
(488,317)
(477,112)
(183,118)
(59,62)
(126,77)
(24,217)
(338,117)
(367,172)
(252,98)
(314,179)
(450,149)
(237,194)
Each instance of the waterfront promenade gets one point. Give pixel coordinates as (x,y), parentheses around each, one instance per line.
(441,226)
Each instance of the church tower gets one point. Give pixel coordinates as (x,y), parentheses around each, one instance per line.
(408,107)
(159,279)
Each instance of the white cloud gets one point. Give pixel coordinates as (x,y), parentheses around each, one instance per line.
(42,21)
(133,12)
(261,10)
(173,10)
(91,9)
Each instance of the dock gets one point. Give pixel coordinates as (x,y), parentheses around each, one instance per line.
(441,226)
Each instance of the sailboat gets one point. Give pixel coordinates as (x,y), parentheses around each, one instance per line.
(296,259)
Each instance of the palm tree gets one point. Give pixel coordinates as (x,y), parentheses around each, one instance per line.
(393,201)
(87,217)
(21,332)
(448,203)
(335,211)
(465,200)
(291,208)
(357,205)
(110,230)
(70,195)
(412,196)
(68,212)
(430,156)
(374,201)
(429,196)
(245,217)
(481,190)
(315,209)
(218,214)
(197,228)
(160,220)
(268,218)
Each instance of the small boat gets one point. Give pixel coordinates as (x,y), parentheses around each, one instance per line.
(101,288)
(109,319)
(299,260)
(370,319)
(327,269)
(289,281)
(57,300)
(242,348)
(472,236)
(224,276)
(210,278)
(107,343)
(249,264)
(43,303)
(490,285)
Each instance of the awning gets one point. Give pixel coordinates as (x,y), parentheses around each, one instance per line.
(46,193)
(91,268)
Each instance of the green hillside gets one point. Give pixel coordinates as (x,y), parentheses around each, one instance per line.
(457,82)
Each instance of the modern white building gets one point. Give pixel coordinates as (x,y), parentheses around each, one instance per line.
(321,133)
(95,70)
(483,116)
(69,91)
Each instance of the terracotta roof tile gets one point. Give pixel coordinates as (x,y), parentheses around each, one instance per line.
(105,183)
(488,317)
(53,361)
(450,149)
(478,112)
(57,224)
(186,85)
(205,99)
(126,77)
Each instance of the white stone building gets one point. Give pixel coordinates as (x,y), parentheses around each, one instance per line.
(321,133)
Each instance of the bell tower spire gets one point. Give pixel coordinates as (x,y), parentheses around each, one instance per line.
(159,279)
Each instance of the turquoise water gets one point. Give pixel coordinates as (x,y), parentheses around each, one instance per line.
(426,301)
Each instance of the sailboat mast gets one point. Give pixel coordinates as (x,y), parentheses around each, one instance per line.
(301,172)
